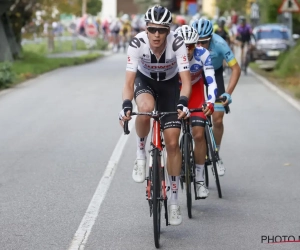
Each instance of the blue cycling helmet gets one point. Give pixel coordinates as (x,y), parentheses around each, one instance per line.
(204,27)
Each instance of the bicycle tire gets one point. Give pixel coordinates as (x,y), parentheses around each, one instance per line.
(213,161)
(187,154)
(156,196)
(206,178)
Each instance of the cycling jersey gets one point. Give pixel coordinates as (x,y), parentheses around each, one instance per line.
(202,62)
(219,51)
(244,32)
(174,58)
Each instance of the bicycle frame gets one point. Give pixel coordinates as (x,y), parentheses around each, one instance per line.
(157,142)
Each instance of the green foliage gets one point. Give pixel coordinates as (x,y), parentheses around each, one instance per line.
(6,74)
(33,64)
(288,64)
(237,5)
(62,46)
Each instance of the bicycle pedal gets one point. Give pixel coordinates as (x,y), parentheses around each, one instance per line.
(200,198)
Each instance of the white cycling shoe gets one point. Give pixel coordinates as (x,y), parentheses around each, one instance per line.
(175,217)
(139,171)
(220,167)
(202,191)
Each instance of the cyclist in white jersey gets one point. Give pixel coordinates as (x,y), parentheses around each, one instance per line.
(155,57)
(200,61)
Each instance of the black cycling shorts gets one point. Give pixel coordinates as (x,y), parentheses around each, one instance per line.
(219,80)
(166,93)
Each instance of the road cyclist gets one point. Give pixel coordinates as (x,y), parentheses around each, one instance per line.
(219,51)
(199,59)
(154,58)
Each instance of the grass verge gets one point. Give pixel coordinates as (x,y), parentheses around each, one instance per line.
(286,74)
(33,64)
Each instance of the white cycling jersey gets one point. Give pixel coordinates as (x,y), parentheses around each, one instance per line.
(202,62)
(173,60)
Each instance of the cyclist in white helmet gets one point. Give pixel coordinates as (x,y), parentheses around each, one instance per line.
(155,57)
(199,59)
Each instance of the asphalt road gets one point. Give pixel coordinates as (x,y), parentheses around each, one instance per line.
(58,132)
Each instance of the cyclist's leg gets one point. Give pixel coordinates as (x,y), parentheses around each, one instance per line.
(219,109)
(144,98)
(198,121)
(218,126)
(167,101)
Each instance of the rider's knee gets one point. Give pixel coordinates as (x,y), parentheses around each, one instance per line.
(198,137)
(145,106)
(172,146)
(218,122)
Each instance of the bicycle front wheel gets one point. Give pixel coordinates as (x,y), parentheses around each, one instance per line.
(156,196)
(188,161)
(213,160)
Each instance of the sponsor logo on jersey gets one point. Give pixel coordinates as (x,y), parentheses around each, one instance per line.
(158,66)
(195,68)
(208,61)
(228,54)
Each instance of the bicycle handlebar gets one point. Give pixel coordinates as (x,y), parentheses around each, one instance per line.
(159,114)
(151,114)
(223,99)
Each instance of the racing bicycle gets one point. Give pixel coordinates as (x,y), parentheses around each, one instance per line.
(156,191)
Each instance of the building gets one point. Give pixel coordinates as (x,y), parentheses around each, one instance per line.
(111,8)
(114,7)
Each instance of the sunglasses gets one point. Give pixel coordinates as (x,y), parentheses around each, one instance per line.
(206,41)
(190,46)
(161,31)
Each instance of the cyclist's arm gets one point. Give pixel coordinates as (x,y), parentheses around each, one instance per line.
(183,66)
(234,78)
(186,86)
(131,69)
(233,64)
(209,73)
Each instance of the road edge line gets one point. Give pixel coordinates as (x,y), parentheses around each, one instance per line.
(85,228)
(289,99)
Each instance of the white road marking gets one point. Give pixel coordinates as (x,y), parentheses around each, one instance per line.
(281,93)
(81,236)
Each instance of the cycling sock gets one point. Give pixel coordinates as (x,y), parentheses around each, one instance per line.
(174,181)
(141,144)
(199,174)
(218,147)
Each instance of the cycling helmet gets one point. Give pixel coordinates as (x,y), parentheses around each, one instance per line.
(188,33)
(242,18)
(222,21)
(204,27)
(158,15)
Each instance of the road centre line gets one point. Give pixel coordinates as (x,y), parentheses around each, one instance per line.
(81,236)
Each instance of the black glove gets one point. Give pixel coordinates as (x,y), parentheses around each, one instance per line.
(126,106)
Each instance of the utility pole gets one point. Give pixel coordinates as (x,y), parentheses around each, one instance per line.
(84,7)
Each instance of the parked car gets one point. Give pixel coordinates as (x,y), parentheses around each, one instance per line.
(268,42)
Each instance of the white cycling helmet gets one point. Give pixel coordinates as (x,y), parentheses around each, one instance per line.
(158,15)
(188,33)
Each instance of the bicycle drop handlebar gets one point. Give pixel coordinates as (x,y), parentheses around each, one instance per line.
(156,114)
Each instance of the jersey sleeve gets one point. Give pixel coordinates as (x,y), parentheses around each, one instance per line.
(209,73)
(227,53)
(133,55)
(179,48)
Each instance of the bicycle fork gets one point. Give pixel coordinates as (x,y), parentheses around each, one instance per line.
(164,187)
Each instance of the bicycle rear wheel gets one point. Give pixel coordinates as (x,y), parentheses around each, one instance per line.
(213,161)
(156,196)
(188,161)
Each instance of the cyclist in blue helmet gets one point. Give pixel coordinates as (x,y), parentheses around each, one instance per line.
(219,51)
